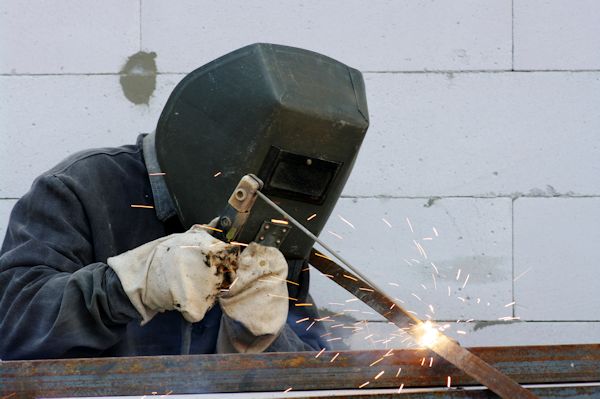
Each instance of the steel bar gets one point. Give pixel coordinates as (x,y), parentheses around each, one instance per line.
(279,371)
(450,350)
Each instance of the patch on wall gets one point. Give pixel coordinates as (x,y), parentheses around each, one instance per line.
(138,77)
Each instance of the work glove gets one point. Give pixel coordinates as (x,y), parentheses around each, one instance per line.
(257,298)
(183,272)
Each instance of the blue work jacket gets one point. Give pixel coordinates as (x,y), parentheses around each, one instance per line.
(59,298)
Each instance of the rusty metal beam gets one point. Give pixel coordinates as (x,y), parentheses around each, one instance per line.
(449,349)
(279,371)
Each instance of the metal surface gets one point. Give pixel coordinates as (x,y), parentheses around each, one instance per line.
(368,292)
(276,372)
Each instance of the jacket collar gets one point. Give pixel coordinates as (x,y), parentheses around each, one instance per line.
(163,204)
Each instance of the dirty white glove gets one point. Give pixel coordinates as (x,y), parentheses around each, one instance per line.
(183,272)
(258,297)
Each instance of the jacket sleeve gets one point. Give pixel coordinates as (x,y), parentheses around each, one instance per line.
(55,300)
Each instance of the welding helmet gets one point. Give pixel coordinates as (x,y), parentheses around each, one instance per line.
(292,117)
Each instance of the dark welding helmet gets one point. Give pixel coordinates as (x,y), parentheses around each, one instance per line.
(292,117)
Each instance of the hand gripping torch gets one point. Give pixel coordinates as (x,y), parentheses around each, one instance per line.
(273,233)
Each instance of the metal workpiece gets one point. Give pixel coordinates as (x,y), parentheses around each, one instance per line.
(450,350)
(301,371)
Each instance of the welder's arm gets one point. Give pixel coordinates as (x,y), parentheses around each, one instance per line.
(55,301)
(182,272)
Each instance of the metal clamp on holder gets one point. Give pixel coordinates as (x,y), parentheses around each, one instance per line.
(272,233)
(240,203)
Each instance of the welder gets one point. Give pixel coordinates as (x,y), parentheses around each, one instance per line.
(111,252)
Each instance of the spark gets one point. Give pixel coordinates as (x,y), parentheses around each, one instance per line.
(398,373)
(322,256)
(350,277)
(366,289)
(285,297)
(399,300)
(368,336)
(287,390)
(458,274)
(346,221)
(507,318)
(335,234)
(449,382)
(427,334)
(157,174)
(322,318)
(430,361)
(461,298)
(478,300)
(420,249)
(510,304)
(325,335)
(409,224)
(217,174)
(364,385)
(435,232)
(407,262)
(287,281)
(311,324)
(427,238)
(435,267)
(389,353)
(311,217)
(337,325)
(467,279)
(394,284)
(422,362)
(380,374)
(241,244)
(461,332)
(234,281)
(400,388)
(376,361)
(280,221)
(416,296)
(521,275)
(448,290)
(336,303)
(351,299)
(320,353)
(334,339)
(434,282)
(205,226)
(306,269)
(303,304)
(393,305)
(335,357)
(470,320)
(386,222)
(142,206)
(431,308)
(424,286)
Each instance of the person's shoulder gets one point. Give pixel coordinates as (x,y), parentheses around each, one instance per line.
(98,160)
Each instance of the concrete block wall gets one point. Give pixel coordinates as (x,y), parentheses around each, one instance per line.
(483,147)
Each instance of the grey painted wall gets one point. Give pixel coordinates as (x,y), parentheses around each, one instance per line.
(483,149)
